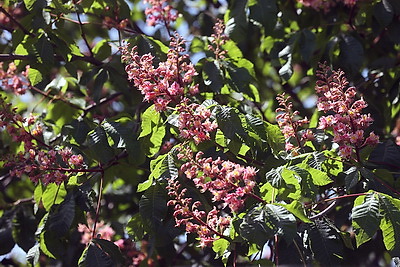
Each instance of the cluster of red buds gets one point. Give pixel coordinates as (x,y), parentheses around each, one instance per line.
(346,120)
(219,38)
(208,226)
(11,80)
(326,5)
(290,122)
(37,160)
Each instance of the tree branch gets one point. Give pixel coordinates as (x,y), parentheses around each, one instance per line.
(16,22)
(89,59)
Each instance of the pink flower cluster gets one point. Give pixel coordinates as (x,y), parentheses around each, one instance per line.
(227,181)
(194,122)
(38,161)
(103,231)
(11,80)
(160,12)
(347,121)
(325,5)
(219,39)
(289,122)
(209,227)
(44,166)
(167,82)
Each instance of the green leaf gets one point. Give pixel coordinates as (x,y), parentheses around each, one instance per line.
(319,178)
(33,255)
(51,245)
(236,20)
(152,131)
(366,217)
(61,219)
(307,44)
(93,256)
(99,146)
(326,243)
(213,76)
(163,165)
(24,228)
(29,4)
(34,76)
(262,223)
(352,177)
(6,237)
(135,228)
(297,209)
(153,206)
(383,12)
(53,194)
(351,54)
(111,249)
(276,140)
(220,246)
(390,223)
(46,52)
(102,50)
(265,13)
(274,176)
(80,130)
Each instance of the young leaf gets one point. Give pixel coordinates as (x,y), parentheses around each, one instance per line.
(366,217)
(111,249)
(7,240)
(262,223)
(135,227)
(326,243)
(152,131)
(34,76)
(98,143)
(93,256)
(33,255)
(60,221)
(390,223)
(53,194)
(153,206)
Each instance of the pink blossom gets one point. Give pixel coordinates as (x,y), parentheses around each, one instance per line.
(347,123)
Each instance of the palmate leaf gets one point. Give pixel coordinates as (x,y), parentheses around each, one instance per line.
(163,165)
(135,227)
(326,243)
(93,256)
(152,131)
(153,206)
(7,240)
(111,249)
(262,223)
(99,146)
(61,219)
(390,223)
(366,217)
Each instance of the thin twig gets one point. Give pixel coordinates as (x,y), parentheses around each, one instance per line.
(300,253)
(89,59)
(325,211)
(98,204)
(16,22)
(83,35)
(101,102)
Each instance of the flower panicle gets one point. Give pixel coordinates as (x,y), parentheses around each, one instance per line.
(344,112)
